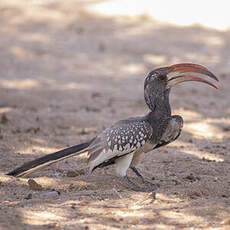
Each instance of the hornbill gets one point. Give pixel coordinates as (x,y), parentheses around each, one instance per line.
(124,142)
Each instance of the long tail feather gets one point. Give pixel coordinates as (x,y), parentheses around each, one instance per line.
(49,159)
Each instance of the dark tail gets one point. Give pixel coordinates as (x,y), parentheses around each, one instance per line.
(49,159)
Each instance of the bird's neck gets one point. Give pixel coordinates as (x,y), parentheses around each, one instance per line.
(159,105)
(157,118)
(161,112)
(160,108)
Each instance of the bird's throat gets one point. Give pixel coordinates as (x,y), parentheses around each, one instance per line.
(159,104)
(162,109)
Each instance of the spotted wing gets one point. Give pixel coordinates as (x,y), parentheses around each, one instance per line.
(124,137)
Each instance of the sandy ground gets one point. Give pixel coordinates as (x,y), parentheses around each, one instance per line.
(66,74)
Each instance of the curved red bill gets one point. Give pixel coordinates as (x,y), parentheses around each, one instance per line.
(189,65)
(178,73)
(178,79)
(177,69)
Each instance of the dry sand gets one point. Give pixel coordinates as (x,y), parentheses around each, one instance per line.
(65,75)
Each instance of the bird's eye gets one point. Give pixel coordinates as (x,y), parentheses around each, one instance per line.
(153,75)
(161,77)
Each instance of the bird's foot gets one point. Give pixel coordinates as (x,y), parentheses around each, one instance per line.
(137,188)
(145,181)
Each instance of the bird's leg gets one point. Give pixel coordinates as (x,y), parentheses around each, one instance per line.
(135,187)
(145,181)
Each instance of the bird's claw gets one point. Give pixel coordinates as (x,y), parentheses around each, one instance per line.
(151,184)
(145,181)
(137,188)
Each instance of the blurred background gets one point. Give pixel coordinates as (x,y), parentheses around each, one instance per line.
(58,58)
(68,69)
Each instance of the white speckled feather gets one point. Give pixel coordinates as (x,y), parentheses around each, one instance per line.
(119,140)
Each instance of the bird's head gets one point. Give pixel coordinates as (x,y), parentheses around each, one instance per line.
(159,81)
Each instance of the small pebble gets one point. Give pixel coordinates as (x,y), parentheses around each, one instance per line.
(192,178)
(28,197)
(74,173)
(33,185)
(51,194)
(4,119)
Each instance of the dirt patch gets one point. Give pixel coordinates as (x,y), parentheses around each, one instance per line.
(65,75)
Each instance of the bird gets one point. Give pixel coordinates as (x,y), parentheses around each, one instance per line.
(123,144)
